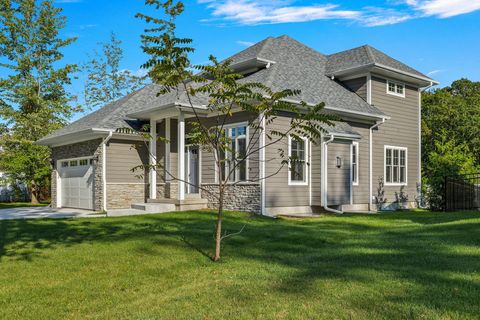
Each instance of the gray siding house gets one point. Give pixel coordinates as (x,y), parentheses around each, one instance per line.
(376,97)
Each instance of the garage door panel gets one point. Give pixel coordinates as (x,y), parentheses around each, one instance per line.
(77,185)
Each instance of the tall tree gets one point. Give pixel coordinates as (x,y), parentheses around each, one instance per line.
(106,82)
(450,135)
(170,67)
(33,97)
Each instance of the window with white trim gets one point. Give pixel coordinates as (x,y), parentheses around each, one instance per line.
(395,88)
(238,149)
(395,165)
(297,151)
(355,163)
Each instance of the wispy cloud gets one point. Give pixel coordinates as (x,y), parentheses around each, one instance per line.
(252,12)
(255,12)
(87,26)
(431,73)
(444,8)
(245,43)
(68,1)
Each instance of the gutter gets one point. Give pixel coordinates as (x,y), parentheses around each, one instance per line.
(370,165)
(325,179)
(104,168)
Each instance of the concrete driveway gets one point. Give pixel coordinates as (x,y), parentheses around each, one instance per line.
(44,212)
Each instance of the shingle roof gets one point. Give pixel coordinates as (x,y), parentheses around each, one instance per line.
(295,66)
(341,128)
(365,56)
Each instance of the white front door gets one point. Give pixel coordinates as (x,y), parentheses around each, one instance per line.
(77,183)
(192,167)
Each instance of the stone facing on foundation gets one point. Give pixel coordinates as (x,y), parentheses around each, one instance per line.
(123,195)
(91,148)
(240,197)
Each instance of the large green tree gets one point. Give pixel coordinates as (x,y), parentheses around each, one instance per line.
(106,81)
(450,135)
(33,96)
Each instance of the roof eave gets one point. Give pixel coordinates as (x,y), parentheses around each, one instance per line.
(74,137)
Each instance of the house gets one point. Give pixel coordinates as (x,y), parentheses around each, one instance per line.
(376,97)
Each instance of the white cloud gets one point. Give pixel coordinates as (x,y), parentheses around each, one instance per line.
(252,12)
(431,73)
(445,8)
(245,43)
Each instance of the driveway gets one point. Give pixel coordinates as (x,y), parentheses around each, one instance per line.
(44,212)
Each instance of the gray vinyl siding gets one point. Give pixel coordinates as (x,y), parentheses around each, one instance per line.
(316,173)
(122,157)
(400,131)
(208,159)
(278,192)
(338,181)
(358,85)
(360,191)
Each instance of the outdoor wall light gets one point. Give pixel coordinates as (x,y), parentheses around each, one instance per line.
(339,162)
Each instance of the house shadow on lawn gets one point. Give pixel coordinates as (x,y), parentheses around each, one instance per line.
(347,248)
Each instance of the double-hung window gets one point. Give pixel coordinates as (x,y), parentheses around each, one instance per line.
(395,165)
(396,88)
(298,155)
(235,161)
(355,163)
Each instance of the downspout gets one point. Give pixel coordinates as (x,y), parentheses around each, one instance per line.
(325,179)
(370,201)
(104,169)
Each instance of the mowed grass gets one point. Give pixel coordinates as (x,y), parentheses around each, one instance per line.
(9,205)
(414,265)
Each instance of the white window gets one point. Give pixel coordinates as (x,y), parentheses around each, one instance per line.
(355,163)
(83,162)
(396,88)
(297,151)
(73,163)
(395,165)
(238,135)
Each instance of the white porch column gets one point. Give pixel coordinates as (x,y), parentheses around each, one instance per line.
(153,159)
(181,156)
(167,150)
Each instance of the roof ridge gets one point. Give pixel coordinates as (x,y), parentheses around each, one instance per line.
(266,41)
(370,54)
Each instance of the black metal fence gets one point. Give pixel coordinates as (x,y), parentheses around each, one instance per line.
(462,192)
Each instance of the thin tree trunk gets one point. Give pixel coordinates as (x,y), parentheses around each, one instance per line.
(218,233)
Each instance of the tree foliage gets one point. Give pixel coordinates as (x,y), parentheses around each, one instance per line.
(106,82)
(33,98)
(169,66)
(450,135)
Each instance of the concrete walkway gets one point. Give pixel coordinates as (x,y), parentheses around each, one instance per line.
(44,212)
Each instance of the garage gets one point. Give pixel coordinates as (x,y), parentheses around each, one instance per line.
(77,183)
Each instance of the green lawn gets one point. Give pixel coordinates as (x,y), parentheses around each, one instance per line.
(9,205)
(415,265)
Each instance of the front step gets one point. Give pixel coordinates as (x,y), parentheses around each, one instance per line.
(154,207)
(182,205)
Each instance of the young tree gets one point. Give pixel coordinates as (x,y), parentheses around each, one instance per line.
(170,67)
(106,82)
(33,98)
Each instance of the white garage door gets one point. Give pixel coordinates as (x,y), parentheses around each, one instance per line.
(76,178)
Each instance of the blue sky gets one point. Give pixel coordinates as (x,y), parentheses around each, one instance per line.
(437,37)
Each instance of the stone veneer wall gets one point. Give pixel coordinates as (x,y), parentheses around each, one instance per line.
(239,197)
(81,149)
(123,195)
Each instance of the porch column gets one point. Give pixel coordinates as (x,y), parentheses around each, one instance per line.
(153,159)
(167,150)
(181,156)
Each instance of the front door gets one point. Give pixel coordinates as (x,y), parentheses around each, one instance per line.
(192,169)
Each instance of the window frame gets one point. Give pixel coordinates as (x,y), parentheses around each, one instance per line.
(355,180)
(306,172)
(396,85)
(386,147)
(227,129)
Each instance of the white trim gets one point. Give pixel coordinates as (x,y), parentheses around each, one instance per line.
(262,164)
(385,147)
(181,155)
(419,136)
(227,128)
(153,159)
(298,183)
(396,84)
(104,170)
(370,163)
(369,88)
(309,164)
(357,146)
